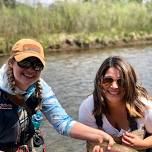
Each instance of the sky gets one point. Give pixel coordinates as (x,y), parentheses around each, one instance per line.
(45,2)
(48,2)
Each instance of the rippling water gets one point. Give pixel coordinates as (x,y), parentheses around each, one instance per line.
(71,76)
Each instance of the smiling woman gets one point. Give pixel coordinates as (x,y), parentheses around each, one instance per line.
(23,93)
(26,71)
(119,104)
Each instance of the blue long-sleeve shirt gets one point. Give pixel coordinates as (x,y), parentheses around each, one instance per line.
(51,107)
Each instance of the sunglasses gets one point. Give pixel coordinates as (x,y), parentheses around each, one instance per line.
(107,81)
(37,66)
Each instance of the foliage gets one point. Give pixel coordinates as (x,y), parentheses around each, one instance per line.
(8,3)
(110,19)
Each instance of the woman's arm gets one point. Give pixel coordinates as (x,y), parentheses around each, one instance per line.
(133,140)
(64,124)
(80,131)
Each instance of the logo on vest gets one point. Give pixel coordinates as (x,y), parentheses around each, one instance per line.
(5,106)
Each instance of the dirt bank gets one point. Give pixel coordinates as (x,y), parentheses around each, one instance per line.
(68,45)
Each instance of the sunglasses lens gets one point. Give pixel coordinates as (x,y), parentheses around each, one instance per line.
(28,64)
(38,67)
(107,81)
(120,82)
(24,64)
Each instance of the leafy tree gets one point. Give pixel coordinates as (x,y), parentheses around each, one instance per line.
(9,3)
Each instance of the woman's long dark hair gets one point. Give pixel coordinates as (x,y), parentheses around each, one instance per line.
(133,90)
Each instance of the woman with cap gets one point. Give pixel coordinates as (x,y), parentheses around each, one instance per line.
(119,105)
(23,92)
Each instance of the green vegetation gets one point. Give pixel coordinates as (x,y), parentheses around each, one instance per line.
(102,20)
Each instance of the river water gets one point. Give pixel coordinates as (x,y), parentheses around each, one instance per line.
(71,76)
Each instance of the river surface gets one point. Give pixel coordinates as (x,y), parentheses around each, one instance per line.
(71,76)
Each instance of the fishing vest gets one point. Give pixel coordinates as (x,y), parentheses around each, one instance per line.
(13,131)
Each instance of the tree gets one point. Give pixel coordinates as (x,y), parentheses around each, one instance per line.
(9,3)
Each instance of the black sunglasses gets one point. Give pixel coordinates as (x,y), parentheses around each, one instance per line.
(107,81)
(31,63)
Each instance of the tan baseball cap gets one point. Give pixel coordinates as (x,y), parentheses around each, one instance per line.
(25,48)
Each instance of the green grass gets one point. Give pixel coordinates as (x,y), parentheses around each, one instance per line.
(53,24)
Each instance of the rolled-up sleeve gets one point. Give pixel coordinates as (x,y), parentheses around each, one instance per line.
(54,112)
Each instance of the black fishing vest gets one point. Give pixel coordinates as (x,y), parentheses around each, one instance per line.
(10,128)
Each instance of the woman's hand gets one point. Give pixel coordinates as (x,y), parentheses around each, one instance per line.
(133,140)
(104,143)
(97,148)
(110,142)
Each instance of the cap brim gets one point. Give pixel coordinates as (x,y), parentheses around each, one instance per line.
(23,56)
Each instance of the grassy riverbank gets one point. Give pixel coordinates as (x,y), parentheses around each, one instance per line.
(77,25)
